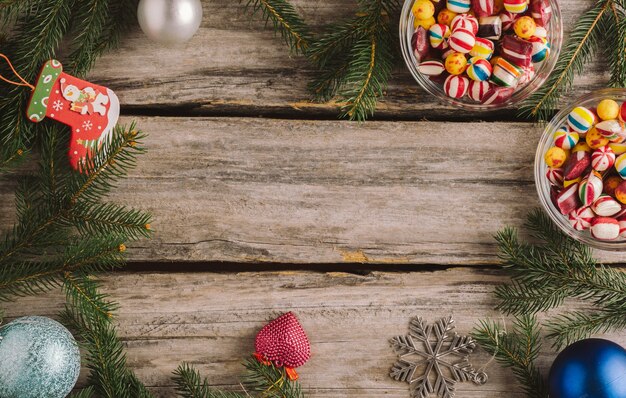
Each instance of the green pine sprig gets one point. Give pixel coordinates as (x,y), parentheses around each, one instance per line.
(189,384)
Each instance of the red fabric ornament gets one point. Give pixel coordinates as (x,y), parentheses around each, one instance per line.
(284,343)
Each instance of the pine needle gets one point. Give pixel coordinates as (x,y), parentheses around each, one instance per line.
(189,384)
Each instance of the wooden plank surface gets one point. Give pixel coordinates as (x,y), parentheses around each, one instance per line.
(267,190)
(210,320)
(234,65)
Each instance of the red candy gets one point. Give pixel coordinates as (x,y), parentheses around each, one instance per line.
(483,8)
(605,228)
(420,44)
(567,200)
(517,50)
(541,11)
(498,95)
(577,164)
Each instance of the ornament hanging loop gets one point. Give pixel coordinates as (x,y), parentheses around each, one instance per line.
(22,81)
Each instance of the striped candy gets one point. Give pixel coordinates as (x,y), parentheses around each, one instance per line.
(490,27)
(498,95)
(541,11)
(581,218)
(482,48)
(438,35)
(620,165)
(564,138)
(458,6)
(477,90)
(431,68)
(516,6)
(508,19)
(581,119)
(618,148)
(611,129)
(462,40)
(505,73)
(483,8)
(456,86)
(517,50)
(478,69)
(465,21)
(590,189)
(602,158)
(541,48)
(555,176)
(540,31)
(606,206)
(605,228)
(567,199)
(622,227)
(528,73)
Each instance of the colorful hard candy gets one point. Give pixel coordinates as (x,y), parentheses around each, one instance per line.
(540,31)
(424,23)
(606,206)
(465,21)
(458,6)
(622,112)
(565,138)
(490,27)
(577,165)
(594,139)
(517,50)
(477,90)
(462,40)
(590,189)
(541,48)
(622,227)
(541,11)
(555,157)
(620,165)
(456,63)
(528,73)
(567,200)
(438,35)
(605,228)
(582,146)
(568,183)
(505,73)
(483,8)
(482,48)
(524,27)
(419,43)
(478,69)
(456,86)
(620,192)
(423,9)
(602,158)
(498,95)
(508,20)
(608,109)
(446,16)
(555,176)
(516,6)
(618,148)
(610,129)
(581,119)
(431,68)
(610,184)
(580,219)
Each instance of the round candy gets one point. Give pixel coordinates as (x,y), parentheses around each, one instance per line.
(456,63)
(581,218)
(458,6)
(608,109)
(611,129)
(438,35)
(564,138)
(610,184)
(581,119)
(462,40)
(555,157)
(622,112)
(540,31)
(482,48)
(602,158)
(445,16)
(541,48)
(605,228)
(620,192)
(524,27)
(606,206)
(477,90)
(423,9)
(620,165)
(618,148)
(516,6)
(465,21)
(555,176)
(595,140)
(508,19)
(424,23)
(456,86)
(590,189)
(582,146)
(431,68)
(478,69)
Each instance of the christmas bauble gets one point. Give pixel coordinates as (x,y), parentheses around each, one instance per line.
(38,358)
(169,21)
(593,368)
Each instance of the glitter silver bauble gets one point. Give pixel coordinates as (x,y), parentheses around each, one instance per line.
(169,21)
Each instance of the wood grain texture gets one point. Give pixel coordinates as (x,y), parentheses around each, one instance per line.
(234,65)
(266,190)
(210,320)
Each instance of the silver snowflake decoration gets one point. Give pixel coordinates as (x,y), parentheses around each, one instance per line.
(432,358)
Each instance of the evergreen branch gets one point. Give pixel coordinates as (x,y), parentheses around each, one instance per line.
(517,350)
(109,218)
(189,384)
(578,51)
(89,22)
(269,381)
(11,160)
(82,293)
(122,16)
(84,393)
(577,325)
(615,32)
(285,20)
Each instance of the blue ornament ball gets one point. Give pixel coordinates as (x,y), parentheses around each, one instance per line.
(591,368)
(38,358)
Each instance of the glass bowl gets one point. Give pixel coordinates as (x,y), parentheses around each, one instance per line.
(555,37)
(541,182)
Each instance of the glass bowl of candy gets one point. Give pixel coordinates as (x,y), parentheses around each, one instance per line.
(580,169)
(481,54)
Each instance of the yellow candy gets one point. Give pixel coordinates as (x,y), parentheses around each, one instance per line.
(456,63)
(423,9)
(555,157)
(446,16)
(581,146)
(595,140)
(608,109)
(424,23)
(618,148)
(567,183)
(525,27)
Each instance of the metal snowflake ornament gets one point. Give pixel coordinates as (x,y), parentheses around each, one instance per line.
(432,358)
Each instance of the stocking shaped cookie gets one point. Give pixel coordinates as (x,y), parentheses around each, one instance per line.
(90,110)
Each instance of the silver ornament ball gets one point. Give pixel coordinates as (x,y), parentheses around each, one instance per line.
(169,21)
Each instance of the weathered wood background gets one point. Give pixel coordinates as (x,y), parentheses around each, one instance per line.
(244,173)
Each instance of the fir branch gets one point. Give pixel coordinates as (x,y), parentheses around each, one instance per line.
(11,160)
(89,23)
(84,393)
(189,384)
(109,218)
(269,381)
(285,20)
(82,293)
(517,350)
(577,52)
(572,326)
(615,32)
